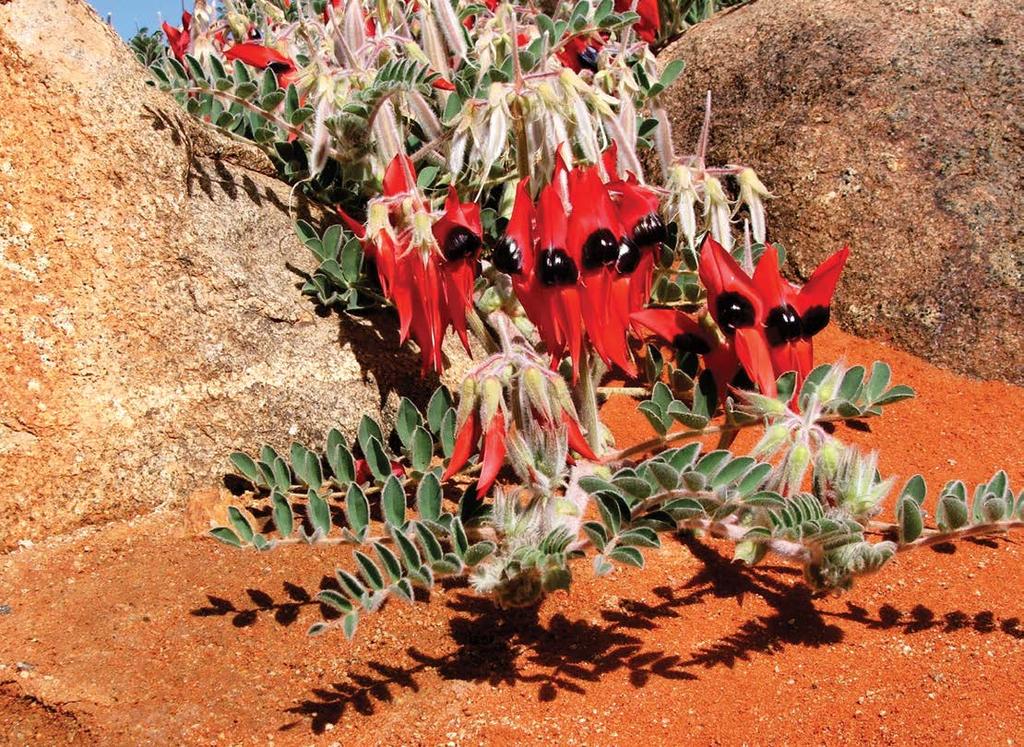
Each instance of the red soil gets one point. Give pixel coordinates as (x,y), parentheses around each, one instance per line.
(139,633)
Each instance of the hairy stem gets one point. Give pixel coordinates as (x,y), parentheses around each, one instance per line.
(586,391)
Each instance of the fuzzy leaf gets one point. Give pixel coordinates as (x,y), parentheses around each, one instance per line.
(319,513)
(393,502)
(284,519)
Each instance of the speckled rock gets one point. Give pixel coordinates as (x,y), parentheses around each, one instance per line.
(150,323)
(894,125)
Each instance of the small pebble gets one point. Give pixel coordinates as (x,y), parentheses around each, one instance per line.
(5,609)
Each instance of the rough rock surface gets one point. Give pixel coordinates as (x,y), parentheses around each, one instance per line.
(150,325)
(894,125)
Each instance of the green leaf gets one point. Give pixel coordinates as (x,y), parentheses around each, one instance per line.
(421,449)
(712,461)
(705,396)
(368,428)
(666,475)
(350,583)
(915,488)
(896,394)
(556,578)
(241,524)
(357,508)
(349,624)
(393,502)
(377,459)
(226,536)
(407,421)
(447,434)
(284,519)
(389,560)
(754,479)
(910,520)
(731,471)
(342,464)
(429,542)
(428,497)
(307,466)
(410,554)
(880,375)
(319,513)
(655,416)
(628,556)
(318,628)
(951,513)
(306,233)
(369,571)
(439,404)
(335,599)
(639,537)
(331,242)
(479,552)
(849,388)
(671,72)
(244,464)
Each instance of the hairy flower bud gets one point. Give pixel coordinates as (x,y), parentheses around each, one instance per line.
(752,194)
(535,385)
(797,461)
(774,437)
(490,399)
(717,207)
(467,400)
(827,463)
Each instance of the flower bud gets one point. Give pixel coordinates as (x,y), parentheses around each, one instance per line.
(763,405)
(490,300)
(717,207)
(796,465)
(467,400)
(752,193)
(774,437)
(829,454)
(490,400)
(535,384)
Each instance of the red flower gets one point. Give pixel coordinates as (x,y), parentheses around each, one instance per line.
(580,53)
(737,307)
(428,278)
(687,336)
(649,25)
(179,39)
(263,57)
(793,315)
(493,453)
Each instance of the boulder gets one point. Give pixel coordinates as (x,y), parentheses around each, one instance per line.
(151,324)
(891,125)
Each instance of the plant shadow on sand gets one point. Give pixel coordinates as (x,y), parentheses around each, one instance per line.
(513,647)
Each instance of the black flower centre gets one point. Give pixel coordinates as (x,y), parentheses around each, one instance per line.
(557,268)
(816,319)
(600,248)
(782,325)
(691,343)
(460,243)
(507,256)
(649,230)
(629,256)
(588,59)
(733,312)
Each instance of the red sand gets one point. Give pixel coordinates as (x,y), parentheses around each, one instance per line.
(138,633)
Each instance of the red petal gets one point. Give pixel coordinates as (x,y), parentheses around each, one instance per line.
(257,55)
(752,350)
(351,223)
(465,441)
(820,287)
(520,226)
(400,176)
(494,453)
(669,324)
(577,441)
(442,84)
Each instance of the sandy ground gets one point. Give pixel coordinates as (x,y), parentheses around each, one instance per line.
(138,633)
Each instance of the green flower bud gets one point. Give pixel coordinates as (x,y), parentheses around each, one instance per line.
(535,384)
(490,399)
(467,400)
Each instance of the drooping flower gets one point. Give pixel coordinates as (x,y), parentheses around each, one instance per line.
(736,305)
(425,263)
(179,39)
(793,316)
(580,53)
(263,58)
(687,335)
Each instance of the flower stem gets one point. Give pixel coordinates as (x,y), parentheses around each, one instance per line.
(587,393)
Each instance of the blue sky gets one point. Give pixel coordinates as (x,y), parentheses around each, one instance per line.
(129,15)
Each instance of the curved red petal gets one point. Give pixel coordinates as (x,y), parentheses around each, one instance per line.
(577,441)
(820,287)
(494,453)
(400,176)
(465,441)
(720,273)
(752,351)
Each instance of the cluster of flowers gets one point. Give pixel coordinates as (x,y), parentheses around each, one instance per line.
(763,324)
(581,258)
(513,406)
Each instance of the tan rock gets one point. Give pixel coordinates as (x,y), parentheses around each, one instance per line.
(895,127)
(150,324)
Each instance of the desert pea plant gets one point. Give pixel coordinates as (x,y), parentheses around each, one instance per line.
(486,164)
